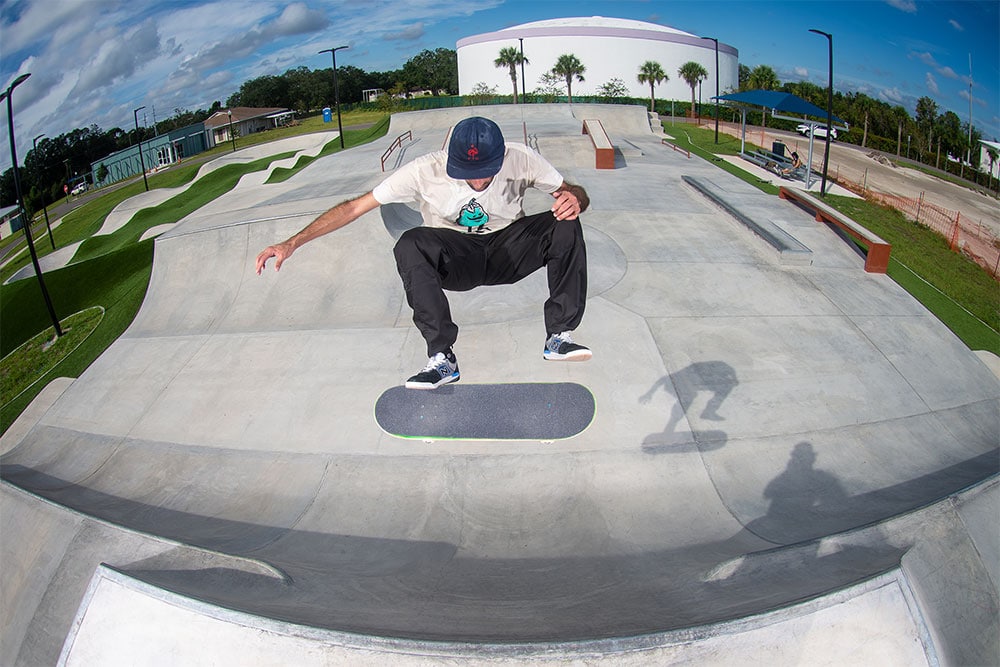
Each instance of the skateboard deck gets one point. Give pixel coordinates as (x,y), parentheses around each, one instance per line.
(543,411)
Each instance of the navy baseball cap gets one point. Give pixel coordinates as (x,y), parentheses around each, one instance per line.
(476,149)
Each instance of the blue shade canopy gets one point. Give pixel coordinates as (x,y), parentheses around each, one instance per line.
(779,101)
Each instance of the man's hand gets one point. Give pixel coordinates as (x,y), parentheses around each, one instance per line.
(280,252)
(571,201)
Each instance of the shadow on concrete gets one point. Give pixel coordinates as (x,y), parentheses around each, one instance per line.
(716,377)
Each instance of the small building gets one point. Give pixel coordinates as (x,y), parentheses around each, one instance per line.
(986,165)
(157,152)
(244,121)
(10,220)
(371,94)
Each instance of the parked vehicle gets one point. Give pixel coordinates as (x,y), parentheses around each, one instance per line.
(819,132)
(79,189)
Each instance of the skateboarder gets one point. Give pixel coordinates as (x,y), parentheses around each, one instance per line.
(474,232)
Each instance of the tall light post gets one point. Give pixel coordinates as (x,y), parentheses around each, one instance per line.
(232,135)
(968,154)
(829,111)
(34,145)
(336,89)
(521,40)
(716,86)
(142,163)
(20,201)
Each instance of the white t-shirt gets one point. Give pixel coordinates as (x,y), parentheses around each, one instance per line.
(452,204)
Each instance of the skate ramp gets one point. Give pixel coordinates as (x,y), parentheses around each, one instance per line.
(761,429)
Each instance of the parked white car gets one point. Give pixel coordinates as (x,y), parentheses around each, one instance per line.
(820,132)
(80,188)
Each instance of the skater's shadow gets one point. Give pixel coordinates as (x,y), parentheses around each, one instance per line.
(716,377)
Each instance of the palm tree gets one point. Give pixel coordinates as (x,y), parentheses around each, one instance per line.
(652,73)
(692,73)
(569,67)
(511,57)
(763,77)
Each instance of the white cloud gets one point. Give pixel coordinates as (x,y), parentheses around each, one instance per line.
(892,95)
(956,25)
(802,72)
(407,34)
(932,84)
(908,6)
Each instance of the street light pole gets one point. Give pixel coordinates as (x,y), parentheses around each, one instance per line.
(829,111)
(521,40)
(232,135)
(716,86)
(20,202)
(44,209)
(336,89)
(142,163)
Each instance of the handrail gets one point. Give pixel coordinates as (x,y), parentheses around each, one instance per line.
(398,143)
(676,148)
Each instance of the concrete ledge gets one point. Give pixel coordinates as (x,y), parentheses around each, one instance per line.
(604,151)
(789,248)
(877,260)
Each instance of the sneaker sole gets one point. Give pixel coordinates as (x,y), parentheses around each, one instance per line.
(575,355)
(424,386)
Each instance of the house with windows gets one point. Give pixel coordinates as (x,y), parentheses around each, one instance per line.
(243,121)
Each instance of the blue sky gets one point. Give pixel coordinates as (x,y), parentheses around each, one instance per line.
(94,61)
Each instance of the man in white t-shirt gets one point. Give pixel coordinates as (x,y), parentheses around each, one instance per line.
(475,233)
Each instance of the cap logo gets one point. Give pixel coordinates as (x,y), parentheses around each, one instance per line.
(473,153)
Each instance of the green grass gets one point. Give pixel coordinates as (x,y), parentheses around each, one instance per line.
(117,282)
(36,357)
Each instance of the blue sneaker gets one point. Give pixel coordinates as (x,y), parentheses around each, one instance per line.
(441,369)
(560,347)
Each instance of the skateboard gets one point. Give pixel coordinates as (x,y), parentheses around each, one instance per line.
(543,411)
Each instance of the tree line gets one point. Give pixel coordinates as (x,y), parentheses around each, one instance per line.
(929,137)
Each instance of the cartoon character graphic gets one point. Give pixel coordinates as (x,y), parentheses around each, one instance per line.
(473,217)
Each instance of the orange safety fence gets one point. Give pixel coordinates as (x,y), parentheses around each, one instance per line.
(974,240)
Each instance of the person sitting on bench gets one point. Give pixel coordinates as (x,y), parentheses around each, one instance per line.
(796,164)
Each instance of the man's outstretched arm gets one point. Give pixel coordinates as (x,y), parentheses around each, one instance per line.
(337,217)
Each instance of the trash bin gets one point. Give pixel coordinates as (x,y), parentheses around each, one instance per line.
(327,115)
(778,148)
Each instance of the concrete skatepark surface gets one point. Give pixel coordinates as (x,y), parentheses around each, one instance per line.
(770,439)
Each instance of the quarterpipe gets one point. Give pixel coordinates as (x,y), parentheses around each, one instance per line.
(749,416)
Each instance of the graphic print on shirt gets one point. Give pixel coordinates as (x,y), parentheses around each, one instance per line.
(473,217)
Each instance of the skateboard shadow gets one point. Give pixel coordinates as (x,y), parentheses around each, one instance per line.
(716,377)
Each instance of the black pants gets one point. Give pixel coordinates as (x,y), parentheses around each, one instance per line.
(431,260)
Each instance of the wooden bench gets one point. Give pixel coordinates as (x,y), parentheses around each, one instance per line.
(877,260)
(604,151)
